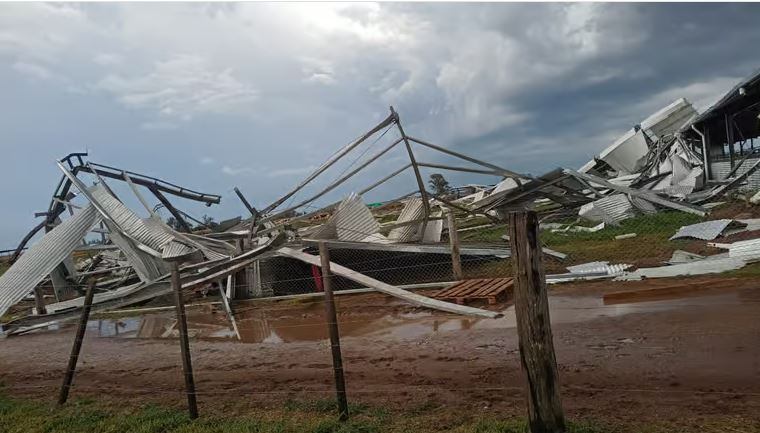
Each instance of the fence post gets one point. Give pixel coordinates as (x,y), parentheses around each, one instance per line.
(68,377)
(456,262)
(545,413)
(184,342)
(332,328)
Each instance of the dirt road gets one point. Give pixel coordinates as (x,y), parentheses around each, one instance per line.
(671,359)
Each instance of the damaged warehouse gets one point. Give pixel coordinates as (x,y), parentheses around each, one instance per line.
(420,239)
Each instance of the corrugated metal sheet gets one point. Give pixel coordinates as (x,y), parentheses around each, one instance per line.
(44,256)
(598,268)
(175,250)
(353,219)
(147,234)
(719,170)
(748,250)
(147,267)
(707,230)
(412,210)
(699,267)
(433,230)
(610,210)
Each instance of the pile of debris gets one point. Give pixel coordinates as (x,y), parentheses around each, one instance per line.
(660,164)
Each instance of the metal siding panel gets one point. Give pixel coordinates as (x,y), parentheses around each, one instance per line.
(43,257)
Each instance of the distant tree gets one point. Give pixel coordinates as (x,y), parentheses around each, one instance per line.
(173,223)
(439,184)
(208,221)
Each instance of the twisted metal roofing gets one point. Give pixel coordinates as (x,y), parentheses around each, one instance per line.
(44,256)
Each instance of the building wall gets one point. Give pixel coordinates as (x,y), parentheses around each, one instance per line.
(719,170)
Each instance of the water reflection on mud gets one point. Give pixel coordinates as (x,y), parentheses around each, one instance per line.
(274,325)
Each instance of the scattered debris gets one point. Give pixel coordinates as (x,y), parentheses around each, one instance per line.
(707,230)
(625,236)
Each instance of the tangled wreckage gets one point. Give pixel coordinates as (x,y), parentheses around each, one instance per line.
(674,160)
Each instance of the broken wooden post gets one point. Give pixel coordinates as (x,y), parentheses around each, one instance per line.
(68,377)
(187,366)
(533,325)
(456,262)
(332,328)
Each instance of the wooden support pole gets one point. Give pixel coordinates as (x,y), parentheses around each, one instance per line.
(184,342)
(332,328)
(39,301)
(545,413)
(456,262)
(68,377)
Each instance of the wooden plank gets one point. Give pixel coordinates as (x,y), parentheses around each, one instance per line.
(382,287)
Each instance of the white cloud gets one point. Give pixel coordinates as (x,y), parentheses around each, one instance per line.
(158,126)
(108,59)
(295,171)
(207,160)
(236,171)
(31,70)
(182,87)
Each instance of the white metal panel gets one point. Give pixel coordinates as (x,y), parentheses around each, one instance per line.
(44,256)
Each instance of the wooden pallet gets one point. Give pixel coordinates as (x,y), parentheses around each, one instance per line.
(484,288)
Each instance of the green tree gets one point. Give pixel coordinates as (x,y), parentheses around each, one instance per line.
(439,184)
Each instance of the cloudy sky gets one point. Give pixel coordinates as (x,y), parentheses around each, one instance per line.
(212,96)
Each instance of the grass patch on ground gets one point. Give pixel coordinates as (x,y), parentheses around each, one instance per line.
(650,247)
(86,415)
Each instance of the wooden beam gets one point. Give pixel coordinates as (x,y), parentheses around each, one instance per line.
(334,332)
(456,262)
(184,343)
(534,326)
(68,377)
(382,287)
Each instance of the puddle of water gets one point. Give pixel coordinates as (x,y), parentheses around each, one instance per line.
(260,326)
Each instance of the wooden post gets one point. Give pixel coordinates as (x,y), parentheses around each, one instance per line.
(332,328)
(68,377)
(456,262)
(533,325)
(39,301)
(184,342)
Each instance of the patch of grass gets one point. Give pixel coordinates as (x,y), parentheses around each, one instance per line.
(83,416)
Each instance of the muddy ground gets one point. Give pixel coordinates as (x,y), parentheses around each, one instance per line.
(660,358)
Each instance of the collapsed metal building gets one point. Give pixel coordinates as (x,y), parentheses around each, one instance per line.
(669,161)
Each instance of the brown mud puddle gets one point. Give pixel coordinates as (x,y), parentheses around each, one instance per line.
(279,325)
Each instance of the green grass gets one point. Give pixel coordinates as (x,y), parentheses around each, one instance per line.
(649,248)
(86,415)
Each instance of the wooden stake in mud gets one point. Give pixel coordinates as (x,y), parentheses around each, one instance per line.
(456,262)
(332,328)
(68,377)
(184,342)
(533,326)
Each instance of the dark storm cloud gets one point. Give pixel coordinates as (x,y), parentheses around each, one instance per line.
(255,95)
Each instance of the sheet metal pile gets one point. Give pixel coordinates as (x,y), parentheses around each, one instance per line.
(657,165)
